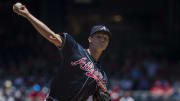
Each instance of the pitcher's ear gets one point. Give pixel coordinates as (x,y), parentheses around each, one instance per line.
(89,39)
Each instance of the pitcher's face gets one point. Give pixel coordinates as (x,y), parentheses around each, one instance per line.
(99,40)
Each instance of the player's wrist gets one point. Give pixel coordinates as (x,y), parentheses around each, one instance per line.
(28,16)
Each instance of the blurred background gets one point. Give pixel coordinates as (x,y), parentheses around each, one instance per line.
(143,60)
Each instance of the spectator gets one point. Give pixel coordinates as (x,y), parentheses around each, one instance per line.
(127,97)
(168,90)
(115,93)
(157,90)
(151,67)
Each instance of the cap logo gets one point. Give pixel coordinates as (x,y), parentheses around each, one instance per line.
(103,28)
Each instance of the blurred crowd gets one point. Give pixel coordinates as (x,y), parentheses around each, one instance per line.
(15,91)
(144,76)
(27,64)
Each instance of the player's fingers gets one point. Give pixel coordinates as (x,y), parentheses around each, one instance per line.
(15,9)
(22,7)
(19,10)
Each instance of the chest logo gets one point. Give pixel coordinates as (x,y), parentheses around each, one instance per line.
(91,71)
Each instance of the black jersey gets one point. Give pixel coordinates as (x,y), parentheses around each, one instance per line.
(79,76)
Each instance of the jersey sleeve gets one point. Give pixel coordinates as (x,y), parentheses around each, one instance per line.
(68,45)
(63,35)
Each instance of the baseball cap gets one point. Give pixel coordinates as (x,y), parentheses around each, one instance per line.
(99,28)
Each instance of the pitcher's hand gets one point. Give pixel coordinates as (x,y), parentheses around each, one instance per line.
(20,9)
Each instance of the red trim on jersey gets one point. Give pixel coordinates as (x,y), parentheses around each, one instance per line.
(98,81)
